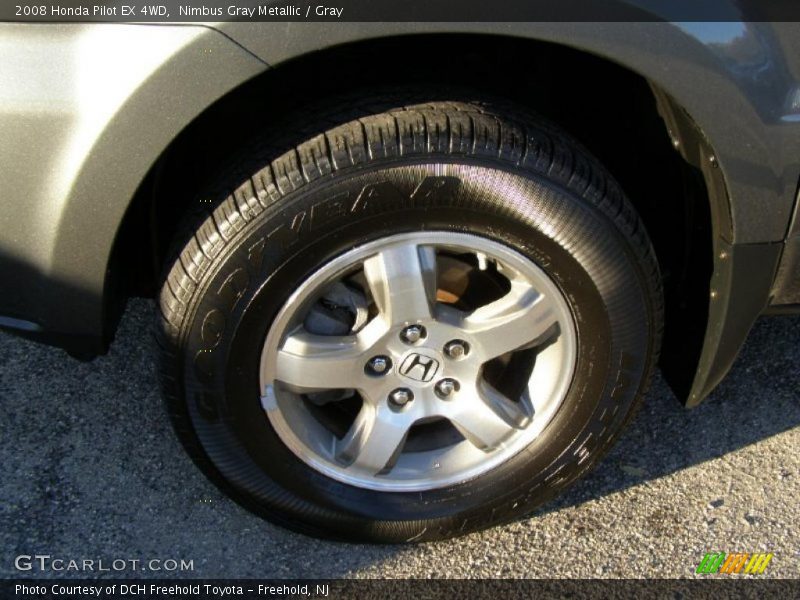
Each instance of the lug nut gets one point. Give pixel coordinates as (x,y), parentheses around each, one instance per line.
(412,334)
(456,349)
(378,365)
(445,388)
(400,397)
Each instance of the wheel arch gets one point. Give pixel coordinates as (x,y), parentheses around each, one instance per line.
(673,139)
(113,141)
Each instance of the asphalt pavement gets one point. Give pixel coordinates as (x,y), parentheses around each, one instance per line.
(90,469)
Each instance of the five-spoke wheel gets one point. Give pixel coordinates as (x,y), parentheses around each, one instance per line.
(407,395)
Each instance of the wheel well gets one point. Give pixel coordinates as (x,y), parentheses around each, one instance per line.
(609,109)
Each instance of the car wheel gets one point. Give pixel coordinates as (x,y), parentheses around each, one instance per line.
(411,325)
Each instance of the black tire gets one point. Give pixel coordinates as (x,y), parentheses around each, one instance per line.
(509,177)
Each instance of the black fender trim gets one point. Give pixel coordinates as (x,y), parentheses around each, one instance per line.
(740,292)
(707,329)
(786,289)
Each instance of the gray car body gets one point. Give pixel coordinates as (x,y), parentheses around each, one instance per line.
(86,111)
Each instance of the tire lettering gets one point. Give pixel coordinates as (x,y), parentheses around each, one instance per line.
(436,191)
(255,255)
(210,334)
(213,326)
(283,236)
(332,209)
(234,287)
(376,194)
(297,223)
(230,292)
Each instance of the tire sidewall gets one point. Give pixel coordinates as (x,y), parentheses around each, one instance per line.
(568,237)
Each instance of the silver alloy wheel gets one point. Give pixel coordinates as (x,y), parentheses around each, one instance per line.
(432,361)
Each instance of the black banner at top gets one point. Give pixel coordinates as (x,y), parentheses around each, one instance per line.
(178,11)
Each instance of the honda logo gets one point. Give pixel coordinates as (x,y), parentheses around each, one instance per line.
(419,367)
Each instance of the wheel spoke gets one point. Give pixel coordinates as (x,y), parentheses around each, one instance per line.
(402,279)
(309,362)
(520,318)
(487,417)
(374,440)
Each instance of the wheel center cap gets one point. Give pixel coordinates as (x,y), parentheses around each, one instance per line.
(420,365)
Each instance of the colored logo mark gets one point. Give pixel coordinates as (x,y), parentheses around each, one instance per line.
(738,562)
